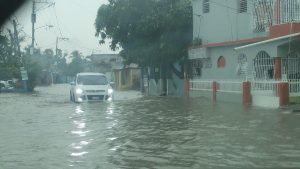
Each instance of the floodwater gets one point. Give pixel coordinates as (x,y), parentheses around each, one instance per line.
(45,130)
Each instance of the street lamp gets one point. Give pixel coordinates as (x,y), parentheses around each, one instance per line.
(47,26)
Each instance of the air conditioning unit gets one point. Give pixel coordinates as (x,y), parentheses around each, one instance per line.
(198,53)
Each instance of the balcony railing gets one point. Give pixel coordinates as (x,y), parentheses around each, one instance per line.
(273,12)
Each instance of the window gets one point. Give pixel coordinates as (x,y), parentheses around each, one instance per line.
(242,6)
(242,67)
(197,65)
(91,80)
(205,6)
(221,62)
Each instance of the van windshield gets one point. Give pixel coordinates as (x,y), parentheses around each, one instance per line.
(91,80)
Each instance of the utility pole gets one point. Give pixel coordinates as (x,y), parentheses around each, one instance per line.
(56,47)
(33,20)
(56,53)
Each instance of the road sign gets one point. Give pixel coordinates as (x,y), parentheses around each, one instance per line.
(24,75)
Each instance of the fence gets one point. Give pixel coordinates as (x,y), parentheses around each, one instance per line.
(223,86)
(230,86)
(200,85)
(265,88)
(294,87)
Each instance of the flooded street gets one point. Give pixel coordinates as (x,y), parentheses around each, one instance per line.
(45,130)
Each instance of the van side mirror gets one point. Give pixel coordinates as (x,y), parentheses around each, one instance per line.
(72,83)
(111,83)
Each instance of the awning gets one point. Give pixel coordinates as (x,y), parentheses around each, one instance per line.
(267,41)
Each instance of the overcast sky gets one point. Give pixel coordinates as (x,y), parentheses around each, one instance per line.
(73,19)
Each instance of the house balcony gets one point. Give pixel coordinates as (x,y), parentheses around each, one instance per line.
(279,17)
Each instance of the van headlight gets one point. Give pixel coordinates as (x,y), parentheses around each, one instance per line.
(79,91)
(110,91)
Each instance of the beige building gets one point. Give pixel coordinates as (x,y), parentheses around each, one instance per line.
(127,78)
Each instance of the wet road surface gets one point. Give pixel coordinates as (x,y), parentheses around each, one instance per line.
(45,130)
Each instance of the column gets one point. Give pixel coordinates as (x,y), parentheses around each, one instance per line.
(214,91)
(283,93)
(247,100)
(187,87)
(278,68)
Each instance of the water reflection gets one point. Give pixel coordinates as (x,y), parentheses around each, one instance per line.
(80,131)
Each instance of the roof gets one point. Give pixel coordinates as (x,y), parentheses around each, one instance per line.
(90,73)
(267,41)
(230,43)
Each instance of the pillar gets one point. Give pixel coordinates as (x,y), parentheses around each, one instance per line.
(214,91)
(278,68)
(247,100)
(283,93)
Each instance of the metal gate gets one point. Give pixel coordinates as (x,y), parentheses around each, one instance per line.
(290,68)
(263,67)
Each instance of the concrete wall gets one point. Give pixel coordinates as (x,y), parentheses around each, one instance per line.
(223,22)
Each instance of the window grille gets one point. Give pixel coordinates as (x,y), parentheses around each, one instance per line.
(264,66)
(242,64)
(197,65)
(262,15)
(205,6)
(242,6)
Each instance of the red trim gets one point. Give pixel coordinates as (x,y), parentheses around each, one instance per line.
(284,29)
(230,43)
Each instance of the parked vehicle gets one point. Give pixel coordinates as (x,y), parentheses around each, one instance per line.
(90,87)
(6,84)
(2,85)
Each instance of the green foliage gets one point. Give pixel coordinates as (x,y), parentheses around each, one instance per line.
(76,65)
(197,41)
(149,32)
(9,61)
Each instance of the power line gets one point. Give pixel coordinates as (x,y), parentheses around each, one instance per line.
(58,26)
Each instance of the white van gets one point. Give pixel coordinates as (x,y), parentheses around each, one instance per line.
(91,87)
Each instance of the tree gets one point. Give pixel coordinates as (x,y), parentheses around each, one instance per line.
(76,65)
(9,62)
(152,32)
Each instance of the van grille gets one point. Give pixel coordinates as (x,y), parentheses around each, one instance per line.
(94,91)
(95,97)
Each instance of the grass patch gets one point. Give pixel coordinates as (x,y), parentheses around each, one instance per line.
(295,100)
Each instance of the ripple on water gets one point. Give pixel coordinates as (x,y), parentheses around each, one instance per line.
(143,133)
